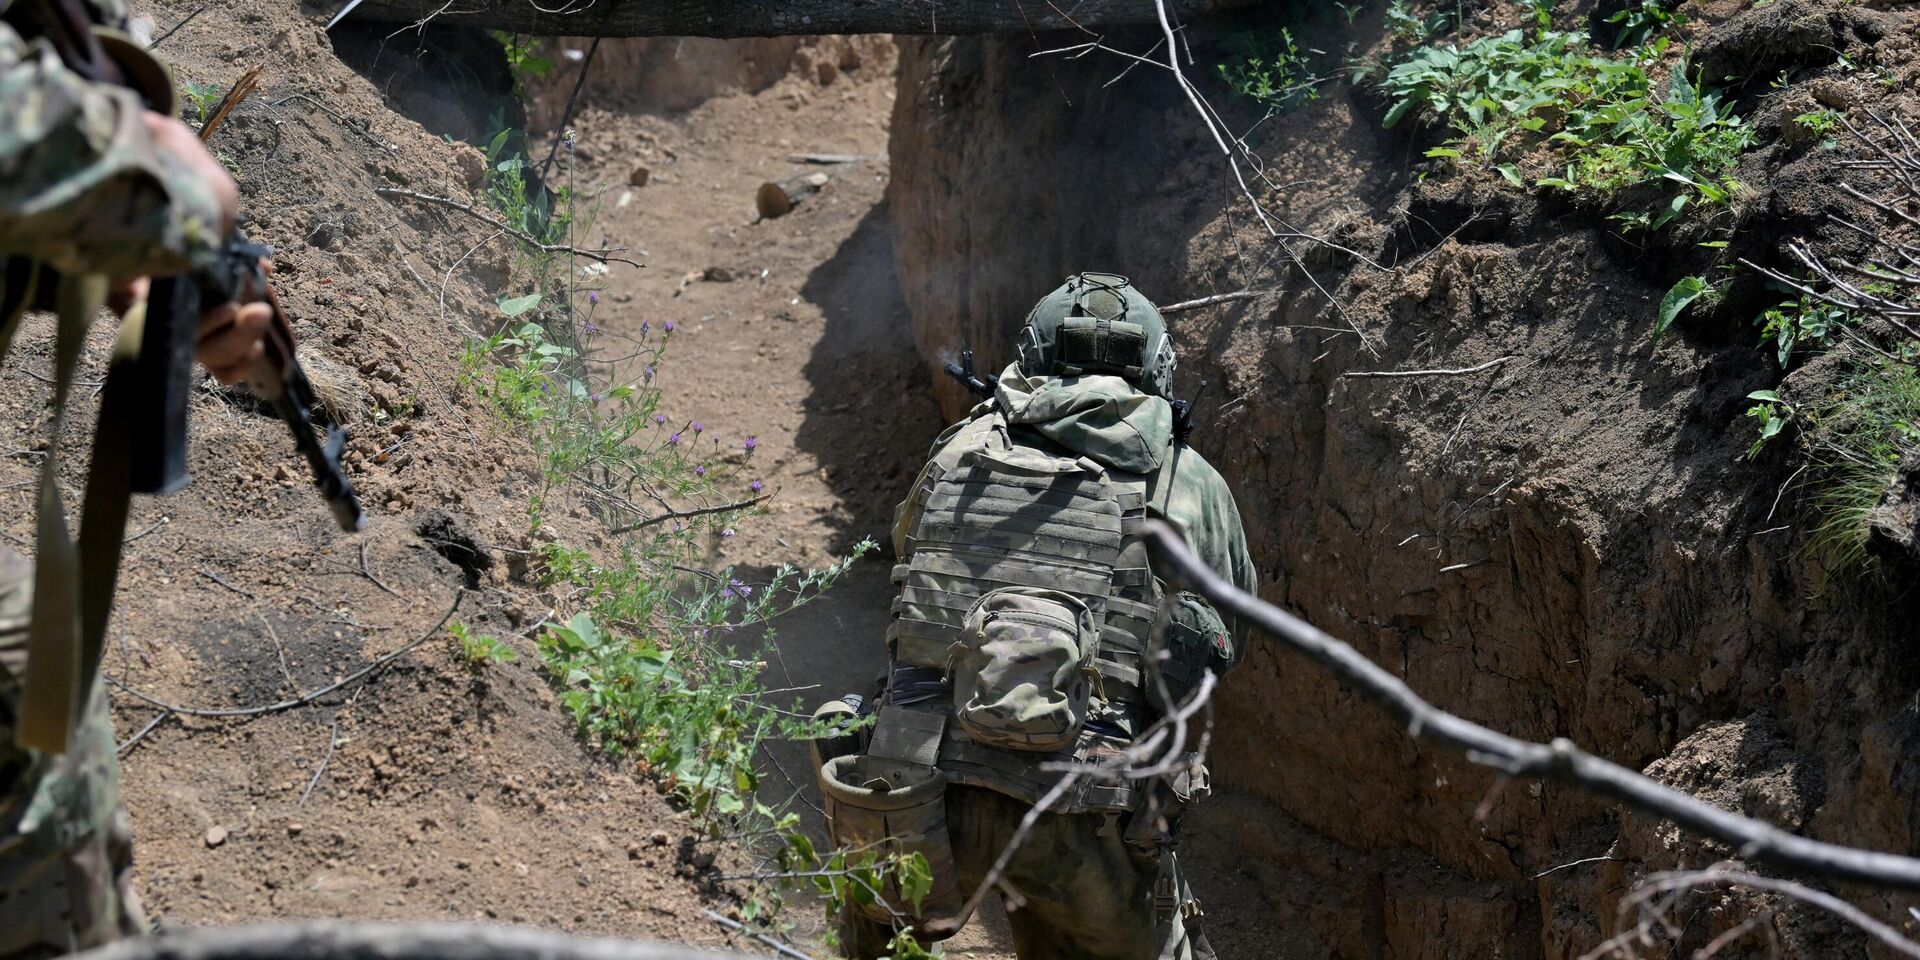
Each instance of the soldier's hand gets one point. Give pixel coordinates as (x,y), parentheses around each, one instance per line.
(172,137)
(231,346)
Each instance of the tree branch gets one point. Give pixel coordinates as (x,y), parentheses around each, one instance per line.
(1561,760)
(605,255)
(673,514)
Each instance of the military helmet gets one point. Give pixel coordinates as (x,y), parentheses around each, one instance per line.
(1098,323)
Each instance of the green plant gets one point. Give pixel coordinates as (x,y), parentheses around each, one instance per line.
(479,649)
(1269,69)
(1857,438)
(1542,99)
(1773,414)
(1684,292)
(1819,122)
(1410,28)
(523,63)
(202,97)
(1636,25)
(1804,325)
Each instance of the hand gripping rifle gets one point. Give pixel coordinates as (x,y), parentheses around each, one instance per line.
(141,442)
(986,389)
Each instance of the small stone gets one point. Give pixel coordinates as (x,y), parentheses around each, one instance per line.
(295,829)
(216,835)
(640,175)
(717,275)
(659,838)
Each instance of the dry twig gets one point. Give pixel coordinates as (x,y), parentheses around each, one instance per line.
(305,698)
(604,255)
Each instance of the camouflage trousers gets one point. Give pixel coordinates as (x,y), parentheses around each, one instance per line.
(1087,894)
(66,847)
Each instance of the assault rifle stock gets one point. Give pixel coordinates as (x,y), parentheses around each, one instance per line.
(985,389)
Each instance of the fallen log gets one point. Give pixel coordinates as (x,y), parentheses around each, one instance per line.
(773,18)
(777,198)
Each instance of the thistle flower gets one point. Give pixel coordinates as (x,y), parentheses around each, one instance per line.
(591,329)
(751,444)
(647,374)
(700,470)
(668,326)
(593,296)
(738,589)
(698,427)
(756,486)
(660,418)
(646,327)
(674,440)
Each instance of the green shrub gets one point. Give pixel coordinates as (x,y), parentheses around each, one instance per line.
(1269,69)
(1857,438)
(1544,98)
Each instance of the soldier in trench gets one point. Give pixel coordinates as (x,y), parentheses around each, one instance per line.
(96,181)
(1030,629)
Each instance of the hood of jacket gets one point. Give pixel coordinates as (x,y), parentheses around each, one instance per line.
(1103,418)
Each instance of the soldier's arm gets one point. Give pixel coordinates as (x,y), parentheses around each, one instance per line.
(91,181)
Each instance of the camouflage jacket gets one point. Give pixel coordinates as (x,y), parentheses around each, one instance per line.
(1108,420)
(83,188)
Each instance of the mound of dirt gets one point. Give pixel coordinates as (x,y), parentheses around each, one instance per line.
(1569,542)
(435,788)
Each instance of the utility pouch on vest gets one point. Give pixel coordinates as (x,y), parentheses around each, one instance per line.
(1024,677)
(888,806)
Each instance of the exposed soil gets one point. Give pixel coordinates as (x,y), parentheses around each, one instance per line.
(1569,544)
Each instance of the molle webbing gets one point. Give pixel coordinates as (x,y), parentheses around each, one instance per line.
(1028,775)
(1098,344)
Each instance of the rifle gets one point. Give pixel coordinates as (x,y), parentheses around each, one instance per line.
(985,388)
(163,370)
(140,445)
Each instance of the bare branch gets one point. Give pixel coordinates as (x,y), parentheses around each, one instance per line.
(604,255)
(1448,372)
(1561,760)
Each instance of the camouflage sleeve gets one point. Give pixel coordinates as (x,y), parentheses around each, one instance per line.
(1195,499)
(83,187)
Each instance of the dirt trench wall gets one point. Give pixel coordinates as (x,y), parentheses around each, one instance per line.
(1570,544)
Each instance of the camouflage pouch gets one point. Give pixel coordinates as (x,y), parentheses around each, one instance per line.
(891,807)
(1024,678)
(1196,641)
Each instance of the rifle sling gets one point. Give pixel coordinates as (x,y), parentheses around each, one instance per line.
(74,582)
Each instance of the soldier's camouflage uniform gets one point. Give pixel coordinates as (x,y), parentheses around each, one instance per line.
(82,189)
(1089,892)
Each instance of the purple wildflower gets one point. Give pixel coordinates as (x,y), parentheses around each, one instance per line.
(700,470)
(751,443)
(599,397)
(591,329)
(674,440)
(738,589)
(668,326)
(567,139)
(646,327)
(648,374)
(698,427)
(756,486)
(593,296)
(660,418)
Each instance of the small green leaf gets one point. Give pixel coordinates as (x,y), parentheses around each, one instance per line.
(1766,395)
(1443,152)
(1676,300)
(516,306)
